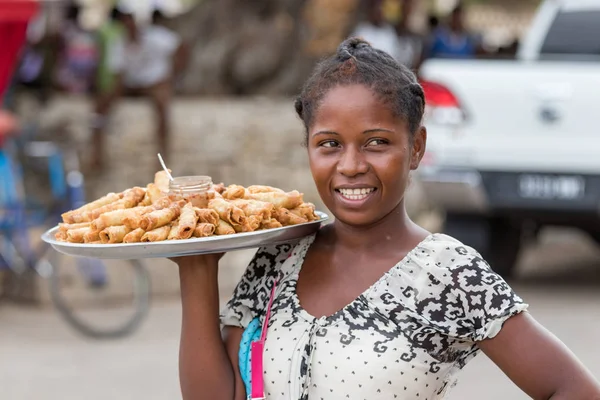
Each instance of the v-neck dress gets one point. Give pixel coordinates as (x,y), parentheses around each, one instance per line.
(405,337)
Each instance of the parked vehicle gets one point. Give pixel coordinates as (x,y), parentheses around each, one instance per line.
(515,144)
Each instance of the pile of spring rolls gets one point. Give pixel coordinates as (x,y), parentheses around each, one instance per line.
(153,214)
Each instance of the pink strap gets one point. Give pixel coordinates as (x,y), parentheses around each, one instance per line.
(256,353)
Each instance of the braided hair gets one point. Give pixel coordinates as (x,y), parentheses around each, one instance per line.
(357,62)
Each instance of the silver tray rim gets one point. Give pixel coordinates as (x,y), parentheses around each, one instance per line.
(174,248)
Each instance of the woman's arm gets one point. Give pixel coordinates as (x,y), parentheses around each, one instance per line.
(205,368)
(539,363)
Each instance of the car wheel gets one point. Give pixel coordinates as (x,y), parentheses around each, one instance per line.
(498,240)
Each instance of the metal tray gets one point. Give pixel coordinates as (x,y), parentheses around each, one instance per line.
(177,248)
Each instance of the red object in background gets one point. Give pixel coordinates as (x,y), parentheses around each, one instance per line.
(14,17)
(438,95)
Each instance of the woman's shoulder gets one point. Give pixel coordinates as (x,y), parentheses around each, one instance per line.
(441,263)
(450,287)
(443,252)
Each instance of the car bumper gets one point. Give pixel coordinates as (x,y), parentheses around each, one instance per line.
(473,191)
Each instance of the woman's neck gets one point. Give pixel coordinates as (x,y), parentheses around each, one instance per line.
(394,228)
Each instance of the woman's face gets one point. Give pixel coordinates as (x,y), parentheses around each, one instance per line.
(361,155)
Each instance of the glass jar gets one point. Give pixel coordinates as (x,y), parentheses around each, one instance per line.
(190,185)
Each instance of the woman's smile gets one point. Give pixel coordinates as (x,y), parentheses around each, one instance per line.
(356,196)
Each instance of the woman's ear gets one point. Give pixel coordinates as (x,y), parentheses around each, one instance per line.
(419,143)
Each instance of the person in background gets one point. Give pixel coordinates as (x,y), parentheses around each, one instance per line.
(109,34)
(378,32)
(78,57)
(454,41)
(410,43)
(144,62)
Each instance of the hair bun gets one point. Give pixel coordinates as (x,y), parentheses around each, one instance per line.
(350,48)
(299,107)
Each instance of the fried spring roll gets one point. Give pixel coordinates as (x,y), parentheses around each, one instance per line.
(157,235)
(270,224)
(254,222)
(65,227)
(263,189)
(146,201)
(159,218)
(154,193)
(114,234)
(255,207)
(234,192)
(91,236)
(286,217)
(224,228)
(89,216)
(204,229)
(227,211)
(200,200)
(108,199)
(187,222)
(207,215)
(135,236)
(287,200)
(173,231)
(61,236)
(219,188)
(161,203)
(162,181)
(133,196)
(118,217)
(76,235)
(306,211)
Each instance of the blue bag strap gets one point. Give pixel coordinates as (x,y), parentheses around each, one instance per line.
(251,334)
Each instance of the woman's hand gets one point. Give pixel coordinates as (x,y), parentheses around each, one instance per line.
(539,363)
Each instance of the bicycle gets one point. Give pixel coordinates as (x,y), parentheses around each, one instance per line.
(19,214)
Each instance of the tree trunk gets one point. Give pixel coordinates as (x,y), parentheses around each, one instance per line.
(267,47)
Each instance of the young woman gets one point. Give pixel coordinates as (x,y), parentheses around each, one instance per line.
(373,306)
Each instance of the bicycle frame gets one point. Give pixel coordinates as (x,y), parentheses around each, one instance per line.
(67,192)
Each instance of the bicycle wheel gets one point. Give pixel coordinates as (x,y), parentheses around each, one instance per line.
(91,295)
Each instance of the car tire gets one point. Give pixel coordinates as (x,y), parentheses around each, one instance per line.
(498,240)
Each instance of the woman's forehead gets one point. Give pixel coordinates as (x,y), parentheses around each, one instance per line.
(353,104)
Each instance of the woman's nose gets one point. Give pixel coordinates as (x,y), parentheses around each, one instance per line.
(352,163)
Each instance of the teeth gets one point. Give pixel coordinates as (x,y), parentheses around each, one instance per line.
(356,194)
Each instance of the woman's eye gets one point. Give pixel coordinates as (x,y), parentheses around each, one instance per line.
(329,144)
(376,142)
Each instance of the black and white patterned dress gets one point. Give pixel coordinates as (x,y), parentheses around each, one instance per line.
(405,337)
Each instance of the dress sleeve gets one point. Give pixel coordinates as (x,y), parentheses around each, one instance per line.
(251,295)
(460,295)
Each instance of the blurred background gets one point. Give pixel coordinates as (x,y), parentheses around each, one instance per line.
(512,166)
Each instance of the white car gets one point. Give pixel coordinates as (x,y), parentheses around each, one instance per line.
(515,144)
